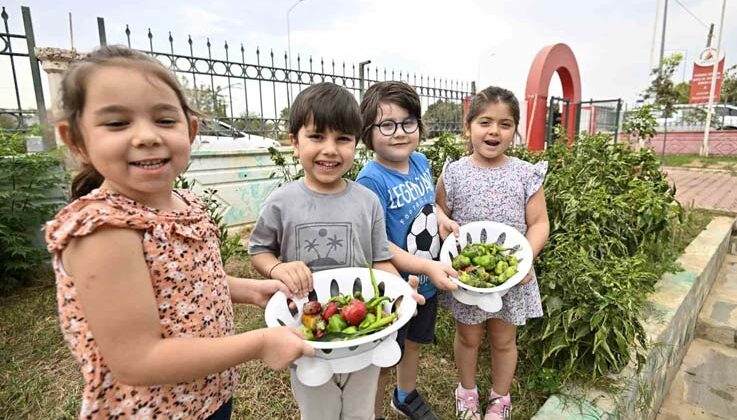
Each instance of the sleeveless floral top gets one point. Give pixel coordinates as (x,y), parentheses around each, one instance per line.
(182,252)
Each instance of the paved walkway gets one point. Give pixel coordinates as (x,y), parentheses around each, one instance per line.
(709,189)
(705,387)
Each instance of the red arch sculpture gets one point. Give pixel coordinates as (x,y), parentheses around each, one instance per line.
(553,58)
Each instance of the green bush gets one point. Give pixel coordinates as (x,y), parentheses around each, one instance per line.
(25,183)
(230,244)
(613,220)
(445,148)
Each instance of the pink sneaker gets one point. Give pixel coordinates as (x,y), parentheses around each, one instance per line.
(467,404)
(500,407)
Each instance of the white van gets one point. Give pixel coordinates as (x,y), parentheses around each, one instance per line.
(216,135)
(692,117)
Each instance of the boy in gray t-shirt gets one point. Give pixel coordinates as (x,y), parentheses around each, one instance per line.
(323,221)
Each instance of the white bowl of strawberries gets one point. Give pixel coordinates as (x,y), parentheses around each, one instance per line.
(351,318)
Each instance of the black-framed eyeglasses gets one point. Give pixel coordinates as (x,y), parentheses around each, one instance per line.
(389,127)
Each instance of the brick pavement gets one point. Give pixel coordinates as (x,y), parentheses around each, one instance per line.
(709,189)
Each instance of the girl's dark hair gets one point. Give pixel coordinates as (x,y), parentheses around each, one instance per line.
(389,92)
(74,92)
(492,95)
(327,106)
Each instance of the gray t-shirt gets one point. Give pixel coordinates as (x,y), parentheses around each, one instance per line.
(322,230)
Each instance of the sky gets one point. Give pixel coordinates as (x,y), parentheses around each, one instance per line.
(489,41)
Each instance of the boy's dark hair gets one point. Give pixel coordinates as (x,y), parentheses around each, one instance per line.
(327,106)
(493,95)
(390,92)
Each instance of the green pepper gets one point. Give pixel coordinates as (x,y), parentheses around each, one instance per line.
(336,323)
(383,321)
(512,260)
(510,271)
(483,261)
(350,330)
(370,319)
(376,301)
(500,267)
(460,261)
(308,333)
(374,285)
(469,279)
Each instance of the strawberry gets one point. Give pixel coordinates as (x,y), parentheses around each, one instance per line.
(354,312)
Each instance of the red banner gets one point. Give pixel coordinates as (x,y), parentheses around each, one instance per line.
(701,80)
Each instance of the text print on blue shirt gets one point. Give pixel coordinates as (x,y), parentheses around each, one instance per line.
(408,191)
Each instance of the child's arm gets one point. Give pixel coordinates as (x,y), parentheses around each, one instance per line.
(254,292)
(413,281)
(538,225)
(295,274)
(115,292)
(436,271)
(446,224)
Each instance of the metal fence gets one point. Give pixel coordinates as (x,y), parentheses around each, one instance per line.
(593,116)
(248,91)
(17,56)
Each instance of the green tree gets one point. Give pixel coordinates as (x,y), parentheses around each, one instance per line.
(253,123)
(640,123)
(209,101)
(438,115)
(729,86)
(662,90)
(683,90)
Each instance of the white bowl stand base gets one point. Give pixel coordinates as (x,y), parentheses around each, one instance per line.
(314,371)
(491,302)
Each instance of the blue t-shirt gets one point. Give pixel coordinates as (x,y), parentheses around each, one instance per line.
(409,209)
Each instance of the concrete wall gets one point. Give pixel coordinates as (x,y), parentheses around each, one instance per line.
(721,143)
(676,303)
(243,180)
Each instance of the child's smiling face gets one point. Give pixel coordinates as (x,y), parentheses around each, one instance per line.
(325,157)
(393,150)
(135,132)
(491,133)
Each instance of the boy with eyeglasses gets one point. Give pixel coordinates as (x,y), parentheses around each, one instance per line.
(401,178)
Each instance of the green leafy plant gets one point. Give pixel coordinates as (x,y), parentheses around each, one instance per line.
(613,219)
(291,170)
(25,183)
(445,148)
(640,123)
(231,245)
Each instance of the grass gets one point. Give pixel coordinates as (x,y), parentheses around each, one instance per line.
(695,161)
(39,375)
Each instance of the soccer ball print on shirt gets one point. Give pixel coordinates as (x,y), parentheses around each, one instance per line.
(423,238)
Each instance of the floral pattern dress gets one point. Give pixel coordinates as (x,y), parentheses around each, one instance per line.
(499,195)
(182,252)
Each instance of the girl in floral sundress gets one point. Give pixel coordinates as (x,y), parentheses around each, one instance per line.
(144,303)
(489,185)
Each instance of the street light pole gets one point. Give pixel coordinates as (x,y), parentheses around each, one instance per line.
(289,47)
(712,89)
(662,39)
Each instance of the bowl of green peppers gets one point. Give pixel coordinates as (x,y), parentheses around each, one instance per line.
(351,318)
(490,258)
